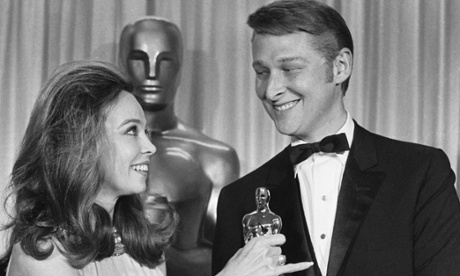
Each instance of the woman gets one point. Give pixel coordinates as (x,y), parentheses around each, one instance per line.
(77,182)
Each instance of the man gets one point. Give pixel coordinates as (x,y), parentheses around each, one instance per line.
(376,206)
(189,169)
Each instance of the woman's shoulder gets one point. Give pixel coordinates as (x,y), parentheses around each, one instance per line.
(56,264)
(23,264)
(121,265)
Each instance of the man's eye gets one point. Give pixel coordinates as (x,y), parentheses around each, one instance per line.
(262,74)
(288,70)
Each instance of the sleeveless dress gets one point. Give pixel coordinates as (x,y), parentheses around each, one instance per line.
(22,264)
(122,265)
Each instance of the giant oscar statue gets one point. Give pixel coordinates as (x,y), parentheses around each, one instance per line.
(189,168)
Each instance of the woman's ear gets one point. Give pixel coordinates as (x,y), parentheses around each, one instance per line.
(343,66)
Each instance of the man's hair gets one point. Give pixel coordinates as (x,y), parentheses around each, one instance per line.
(290,16)
(58,174)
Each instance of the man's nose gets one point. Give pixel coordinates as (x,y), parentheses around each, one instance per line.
(275,86)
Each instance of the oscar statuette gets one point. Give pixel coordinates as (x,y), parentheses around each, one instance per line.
(261,222)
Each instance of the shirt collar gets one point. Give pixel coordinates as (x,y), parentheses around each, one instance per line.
(347,128)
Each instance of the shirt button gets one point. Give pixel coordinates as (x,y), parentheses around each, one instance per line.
(323,198)
(323,236)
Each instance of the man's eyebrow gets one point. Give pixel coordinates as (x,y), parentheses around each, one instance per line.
(282,60)
(290,59)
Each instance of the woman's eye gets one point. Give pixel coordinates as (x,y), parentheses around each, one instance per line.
(132,131)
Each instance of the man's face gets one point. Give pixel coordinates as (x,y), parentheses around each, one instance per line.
(154,62)
(295,85)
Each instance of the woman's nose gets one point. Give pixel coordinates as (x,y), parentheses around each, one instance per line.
(147,147)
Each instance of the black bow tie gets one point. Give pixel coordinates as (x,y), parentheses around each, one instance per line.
(334,143)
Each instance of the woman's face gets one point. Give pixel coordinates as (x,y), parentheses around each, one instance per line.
(126,158)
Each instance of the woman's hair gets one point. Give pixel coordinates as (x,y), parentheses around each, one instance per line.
(315,18)
(58,174)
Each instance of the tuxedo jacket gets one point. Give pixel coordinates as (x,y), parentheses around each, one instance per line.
(398,212)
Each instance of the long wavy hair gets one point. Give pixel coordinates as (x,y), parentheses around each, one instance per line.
(58,174)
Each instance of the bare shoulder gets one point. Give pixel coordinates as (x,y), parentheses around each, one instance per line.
(23,264)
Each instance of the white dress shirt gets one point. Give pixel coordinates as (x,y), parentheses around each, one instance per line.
(320,177)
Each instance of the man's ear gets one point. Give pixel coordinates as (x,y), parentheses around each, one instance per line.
(343,66)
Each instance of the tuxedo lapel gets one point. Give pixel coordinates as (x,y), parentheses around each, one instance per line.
(359,186)
(286,202)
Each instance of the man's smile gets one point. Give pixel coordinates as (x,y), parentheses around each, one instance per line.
(286,106)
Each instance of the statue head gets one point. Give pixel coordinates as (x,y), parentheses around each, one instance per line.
(262,196)
(151,52)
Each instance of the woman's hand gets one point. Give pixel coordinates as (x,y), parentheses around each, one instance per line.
(261,256)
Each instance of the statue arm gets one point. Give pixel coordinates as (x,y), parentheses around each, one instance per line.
(222,170)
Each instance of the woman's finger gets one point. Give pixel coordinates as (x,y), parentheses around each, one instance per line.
(289,268)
